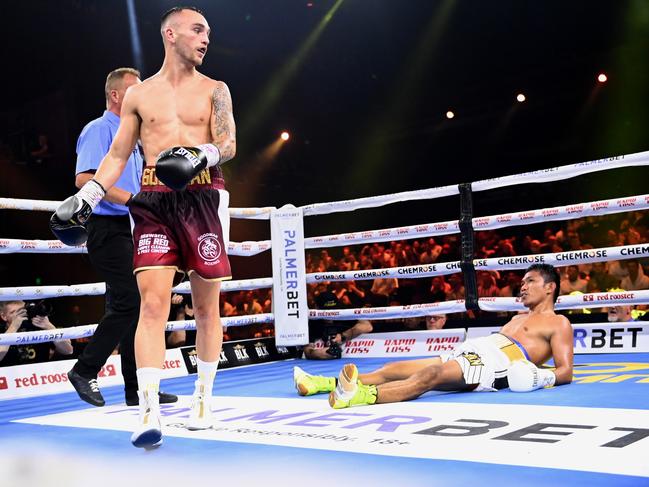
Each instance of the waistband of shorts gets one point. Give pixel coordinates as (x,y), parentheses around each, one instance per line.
(510,347)
(207,179)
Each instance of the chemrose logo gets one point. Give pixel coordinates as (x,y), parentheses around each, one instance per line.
(209,247)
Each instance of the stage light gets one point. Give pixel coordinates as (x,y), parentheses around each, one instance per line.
(602,78)
(285,135)
(450,114)
(520,97)
(136,44)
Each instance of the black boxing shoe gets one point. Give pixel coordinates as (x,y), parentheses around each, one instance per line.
(88,389)
(164,398)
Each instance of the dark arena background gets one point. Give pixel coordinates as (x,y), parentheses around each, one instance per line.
(338,100)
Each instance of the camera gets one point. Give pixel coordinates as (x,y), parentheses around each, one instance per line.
(40,308)
(334,350)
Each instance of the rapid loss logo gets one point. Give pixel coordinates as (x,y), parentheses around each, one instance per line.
(3,383)
(442,344)
(358,347)
(209,247)
(399,345)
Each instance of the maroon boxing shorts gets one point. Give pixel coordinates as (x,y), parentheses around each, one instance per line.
(183,230)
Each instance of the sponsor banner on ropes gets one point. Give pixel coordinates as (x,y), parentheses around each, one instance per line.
(404,344)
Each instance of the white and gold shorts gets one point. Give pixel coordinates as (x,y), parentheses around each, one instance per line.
(484,361)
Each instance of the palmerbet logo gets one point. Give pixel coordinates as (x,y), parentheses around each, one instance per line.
(418,429)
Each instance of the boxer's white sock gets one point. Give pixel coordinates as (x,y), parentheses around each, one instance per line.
(205,376)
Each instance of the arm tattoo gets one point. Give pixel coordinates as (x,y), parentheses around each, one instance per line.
(224,130)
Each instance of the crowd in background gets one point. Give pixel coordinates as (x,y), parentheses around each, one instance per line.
(581,234)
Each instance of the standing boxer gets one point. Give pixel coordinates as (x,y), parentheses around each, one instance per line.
(185,123)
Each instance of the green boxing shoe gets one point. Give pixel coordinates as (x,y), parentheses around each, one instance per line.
(350,391)
(308,385)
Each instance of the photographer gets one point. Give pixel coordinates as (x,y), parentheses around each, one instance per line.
(17,317)
(331,333)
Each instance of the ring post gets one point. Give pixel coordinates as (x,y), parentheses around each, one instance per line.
(289,276)
(468,242)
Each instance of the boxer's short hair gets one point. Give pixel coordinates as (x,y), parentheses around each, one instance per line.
(175,10)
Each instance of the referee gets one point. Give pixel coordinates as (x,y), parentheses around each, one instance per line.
(110,248)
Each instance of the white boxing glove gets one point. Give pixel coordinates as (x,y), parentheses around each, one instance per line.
(212,153)
(524,376)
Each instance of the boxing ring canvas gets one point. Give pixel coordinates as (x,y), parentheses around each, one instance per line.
(594,431)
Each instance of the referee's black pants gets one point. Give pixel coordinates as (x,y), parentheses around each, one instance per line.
(110,248)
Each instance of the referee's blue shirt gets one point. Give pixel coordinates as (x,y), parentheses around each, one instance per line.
(93,144)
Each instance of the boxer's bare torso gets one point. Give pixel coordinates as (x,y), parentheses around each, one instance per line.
(187,113)
(534,331)
(181,114)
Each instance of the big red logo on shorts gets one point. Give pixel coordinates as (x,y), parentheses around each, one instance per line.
(209,247)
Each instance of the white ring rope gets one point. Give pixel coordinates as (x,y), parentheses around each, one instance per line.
(564,172)
(376,201)
(545,175)
(568,212)
(384,235)
(51,206)
(593,208)
(14,246)
(87,330)
(387,312)
(593,300)
(590,300)
(541,176)
(562,259)
(559,259)
(99,288)
(406,272)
